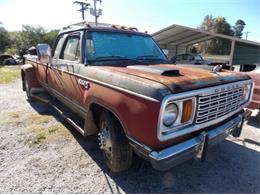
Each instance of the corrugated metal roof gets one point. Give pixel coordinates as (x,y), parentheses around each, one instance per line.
(182,35)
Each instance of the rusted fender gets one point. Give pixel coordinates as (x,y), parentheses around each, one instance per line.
(28,73)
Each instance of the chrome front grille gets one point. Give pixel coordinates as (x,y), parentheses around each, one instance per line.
(218,104)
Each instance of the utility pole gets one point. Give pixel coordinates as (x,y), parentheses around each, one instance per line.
(84,7)
(246,34)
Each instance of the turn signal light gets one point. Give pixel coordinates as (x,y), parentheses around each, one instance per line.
(187,111)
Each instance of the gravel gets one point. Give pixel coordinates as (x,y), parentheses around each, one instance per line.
(70,163)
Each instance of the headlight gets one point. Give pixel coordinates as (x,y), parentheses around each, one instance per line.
(177,114)
(246,93)
(170,115)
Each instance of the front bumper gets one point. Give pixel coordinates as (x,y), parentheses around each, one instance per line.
(196,147)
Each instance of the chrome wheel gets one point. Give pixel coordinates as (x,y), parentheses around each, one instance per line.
(116,150)
(105,141)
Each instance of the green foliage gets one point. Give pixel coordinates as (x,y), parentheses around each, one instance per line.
(31,36)
(9,74)
(207,23)
(238,28)
(49,37)
(5,40)
(221,26)
(11,51)
(14,42)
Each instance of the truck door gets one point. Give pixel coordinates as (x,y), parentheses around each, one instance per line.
(66,62)
(53,77)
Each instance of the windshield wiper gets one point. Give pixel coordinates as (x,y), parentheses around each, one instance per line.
(149,57)
(114,58)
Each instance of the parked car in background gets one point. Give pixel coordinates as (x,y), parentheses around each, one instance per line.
(30,53)
(189,59)
(6,59)
(197,59)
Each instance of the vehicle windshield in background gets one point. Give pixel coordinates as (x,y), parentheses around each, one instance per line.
(110,46)
(198,58)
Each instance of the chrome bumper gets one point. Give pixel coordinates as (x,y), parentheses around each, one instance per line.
(196,147)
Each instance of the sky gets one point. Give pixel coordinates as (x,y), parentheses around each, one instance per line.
(150,15)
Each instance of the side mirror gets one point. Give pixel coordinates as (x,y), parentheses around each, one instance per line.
(44,53)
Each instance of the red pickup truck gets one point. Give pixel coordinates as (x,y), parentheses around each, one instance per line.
(119,82)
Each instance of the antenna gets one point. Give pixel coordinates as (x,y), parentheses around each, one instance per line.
(246,34)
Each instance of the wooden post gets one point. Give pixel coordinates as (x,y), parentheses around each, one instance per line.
(231,54)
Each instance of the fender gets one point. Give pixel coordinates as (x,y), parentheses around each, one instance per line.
(28,72)
(105,106)
(138,116)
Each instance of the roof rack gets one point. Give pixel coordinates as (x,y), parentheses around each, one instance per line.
(92,24)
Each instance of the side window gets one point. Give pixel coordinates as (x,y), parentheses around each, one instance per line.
(185,57)
(58,47)
(71,50)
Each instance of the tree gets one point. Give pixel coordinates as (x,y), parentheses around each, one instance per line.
(30,36)
(50,36)
(221,26)
(207,23)
(217,25)
(4,39)
(238,28)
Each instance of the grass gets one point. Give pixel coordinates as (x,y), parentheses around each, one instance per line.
(14,114)
(39,138)
(12,117)
(41,134)
(41,129)
(9,74)
(54,128)
(39,119)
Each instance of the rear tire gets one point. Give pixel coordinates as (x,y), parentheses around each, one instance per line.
(117,152)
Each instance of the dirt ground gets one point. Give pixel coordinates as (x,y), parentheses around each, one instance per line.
(40,153)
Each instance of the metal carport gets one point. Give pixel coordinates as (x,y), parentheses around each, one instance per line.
(177,38)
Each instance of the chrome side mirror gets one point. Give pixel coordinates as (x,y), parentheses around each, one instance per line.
(44,53)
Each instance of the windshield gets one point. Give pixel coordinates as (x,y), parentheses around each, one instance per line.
(198,57)
(112,46)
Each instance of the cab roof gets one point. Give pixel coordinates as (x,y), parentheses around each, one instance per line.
(100,27)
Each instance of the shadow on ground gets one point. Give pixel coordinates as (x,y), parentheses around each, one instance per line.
(254,121)
(229,168)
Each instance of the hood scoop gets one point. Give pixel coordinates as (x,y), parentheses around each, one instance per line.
(170,72)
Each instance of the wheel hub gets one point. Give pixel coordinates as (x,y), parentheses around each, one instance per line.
(105,142)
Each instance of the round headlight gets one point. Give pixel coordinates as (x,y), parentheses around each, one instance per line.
(170,114)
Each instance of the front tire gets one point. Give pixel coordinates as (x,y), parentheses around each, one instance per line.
(117,152)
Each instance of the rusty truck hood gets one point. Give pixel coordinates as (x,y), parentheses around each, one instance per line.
(188,78)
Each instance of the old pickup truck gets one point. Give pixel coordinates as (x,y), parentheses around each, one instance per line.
(120,83)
